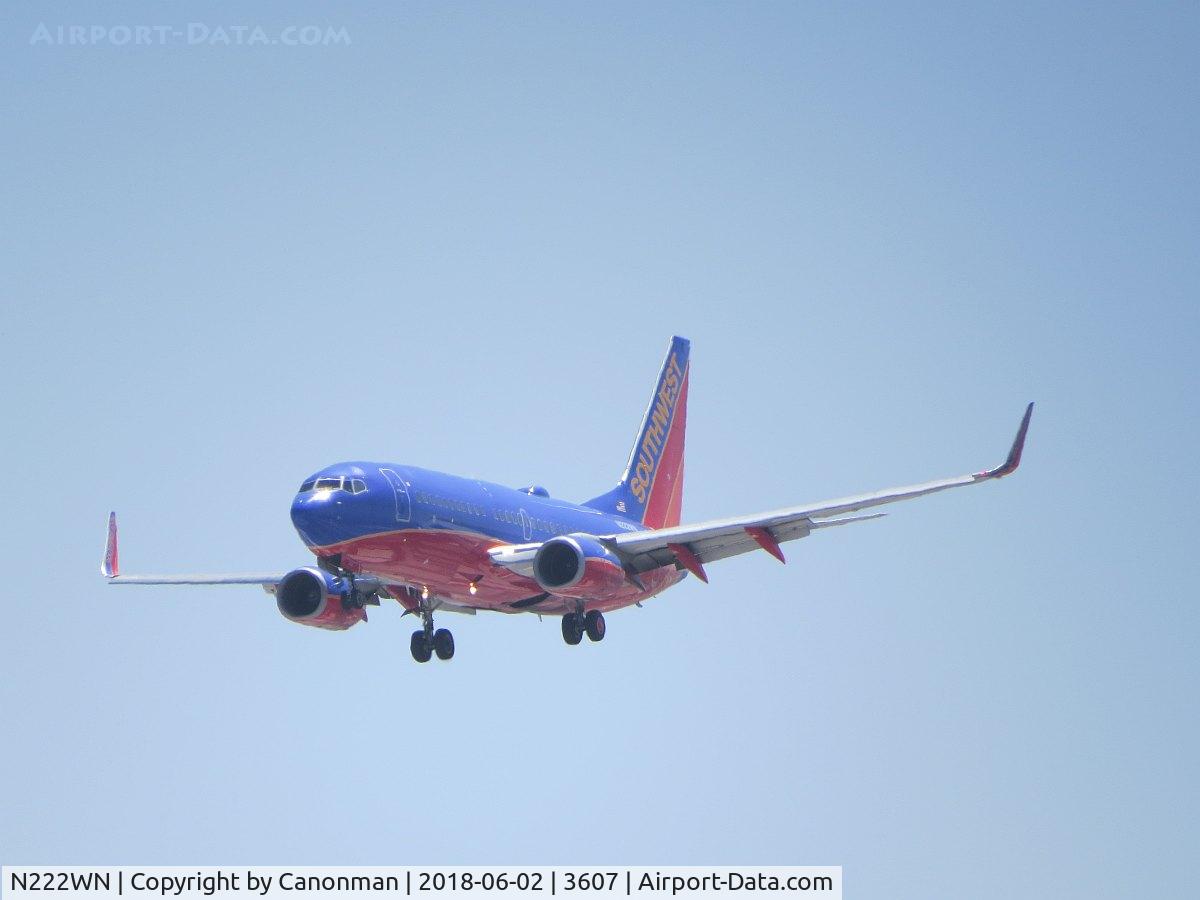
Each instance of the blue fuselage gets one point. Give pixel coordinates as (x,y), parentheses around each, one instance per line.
(353,500)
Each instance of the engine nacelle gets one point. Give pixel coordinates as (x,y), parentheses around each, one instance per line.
(578,565)
(312,596)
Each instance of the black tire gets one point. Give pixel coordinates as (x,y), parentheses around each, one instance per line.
(572,629)
(593,624)
(421,651)
(443,643)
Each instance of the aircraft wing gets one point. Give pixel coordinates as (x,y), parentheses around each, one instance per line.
(109,570)
(693,545)
(266,579)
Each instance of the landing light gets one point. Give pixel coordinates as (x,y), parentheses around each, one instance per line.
(424,592)
(474,590)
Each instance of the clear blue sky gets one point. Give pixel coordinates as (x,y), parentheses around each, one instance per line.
(462,242)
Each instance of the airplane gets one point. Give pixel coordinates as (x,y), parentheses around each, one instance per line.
(441,543)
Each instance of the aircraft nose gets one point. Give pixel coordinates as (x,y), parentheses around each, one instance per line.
(303,514)
(316,516)
(326,507)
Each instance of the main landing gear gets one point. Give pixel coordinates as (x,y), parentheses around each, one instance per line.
(575,625)
(426,642)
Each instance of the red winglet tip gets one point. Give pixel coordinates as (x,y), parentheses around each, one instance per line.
(109,568)
(1018,446)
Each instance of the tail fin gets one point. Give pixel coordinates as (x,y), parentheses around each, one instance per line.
(651,488)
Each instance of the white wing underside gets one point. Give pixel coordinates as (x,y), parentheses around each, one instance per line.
(267,580)
(721,538)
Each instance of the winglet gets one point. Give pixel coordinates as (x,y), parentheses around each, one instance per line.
(109,567)
(1014,455)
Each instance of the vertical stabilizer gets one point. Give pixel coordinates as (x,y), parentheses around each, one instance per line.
(651,488)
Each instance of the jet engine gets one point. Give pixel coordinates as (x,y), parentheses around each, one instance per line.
(578,565)
(312,596)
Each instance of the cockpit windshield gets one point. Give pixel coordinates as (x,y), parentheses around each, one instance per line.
(334,483)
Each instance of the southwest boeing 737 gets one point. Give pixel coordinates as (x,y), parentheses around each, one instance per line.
(440,543)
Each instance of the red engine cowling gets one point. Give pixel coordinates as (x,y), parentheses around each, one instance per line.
(578,566)
(312,596)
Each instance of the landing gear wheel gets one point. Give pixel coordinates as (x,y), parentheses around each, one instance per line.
(572,628)
(443,643)
(421,651)
(593,624)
